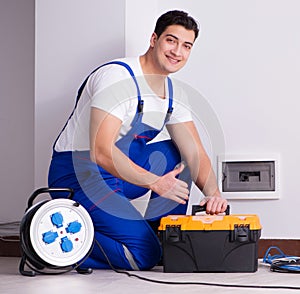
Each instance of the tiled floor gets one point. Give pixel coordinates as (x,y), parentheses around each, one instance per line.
(107,281)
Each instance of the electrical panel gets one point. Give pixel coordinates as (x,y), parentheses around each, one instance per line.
(242,177)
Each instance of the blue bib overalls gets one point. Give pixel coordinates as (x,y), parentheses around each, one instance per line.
(125,235)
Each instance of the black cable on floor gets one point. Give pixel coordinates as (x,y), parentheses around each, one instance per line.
(192,283)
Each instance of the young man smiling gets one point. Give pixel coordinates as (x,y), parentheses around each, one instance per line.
(169,51)
(109,151)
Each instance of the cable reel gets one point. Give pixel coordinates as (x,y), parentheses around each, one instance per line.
(55,234)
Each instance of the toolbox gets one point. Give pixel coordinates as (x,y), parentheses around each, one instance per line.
(210,243)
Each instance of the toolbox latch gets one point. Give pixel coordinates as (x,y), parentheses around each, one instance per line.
(240,233)
(173,233)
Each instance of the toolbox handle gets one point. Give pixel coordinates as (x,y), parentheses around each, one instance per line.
(201,208)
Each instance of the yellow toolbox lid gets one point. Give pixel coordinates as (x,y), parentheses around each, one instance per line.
(210,222)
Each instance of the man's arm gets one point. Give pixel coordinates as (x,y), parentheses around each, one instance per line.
(186,137)
(104,130)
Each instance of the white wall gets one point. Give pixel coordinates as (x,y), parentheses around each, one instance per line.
(246,64)
(16,106)
(72,38)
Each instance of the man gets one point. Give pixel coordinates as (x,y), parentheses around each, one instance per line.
(108,151)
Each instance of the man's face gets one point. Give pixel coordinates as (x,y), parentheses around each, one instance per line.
(172,48)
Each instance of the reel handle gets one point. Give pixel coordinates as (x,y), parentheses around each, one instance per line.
(48,190)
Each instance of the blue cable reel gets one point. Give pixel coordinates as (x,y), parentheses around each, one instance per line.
(56,234)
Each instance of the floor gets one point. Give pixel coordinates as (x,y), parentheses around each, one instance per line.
(107,281)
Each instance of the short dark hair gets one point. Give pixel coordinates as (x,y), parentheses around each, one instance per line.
(176,17)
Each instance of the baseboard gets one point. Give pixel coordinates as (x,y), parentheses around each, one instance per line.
(10,246)
(288,246)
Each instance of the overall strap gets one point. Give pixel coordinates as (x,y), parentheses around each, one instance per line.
(170,107)
(140,101)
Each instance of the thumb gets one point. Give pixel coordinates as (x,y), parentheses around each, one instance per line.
(204,201)
(179,168)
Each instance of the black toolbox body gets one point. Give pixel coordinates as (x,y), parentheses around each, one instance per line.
(210,243)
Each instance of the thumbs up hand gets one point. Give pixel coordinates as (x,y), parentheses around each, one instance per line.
(168,186)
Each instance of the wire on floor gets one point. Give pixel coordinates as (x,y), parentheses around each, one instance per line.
(191,283)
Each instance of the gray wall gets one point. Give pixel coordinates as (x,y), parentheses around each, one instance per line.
(16,106)
(47,48)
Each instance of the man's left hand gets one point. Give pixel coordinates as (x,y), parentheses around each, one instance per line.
(214,204)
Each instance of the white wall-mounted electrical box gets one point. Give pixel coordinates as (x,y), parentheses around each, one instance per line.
(249,176)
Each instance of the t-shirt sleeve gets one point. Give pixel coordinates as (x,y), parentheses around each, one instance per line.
(112,89)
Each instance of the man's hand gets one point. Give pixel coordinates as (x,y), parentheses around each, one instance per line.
(168,186)
(214,204)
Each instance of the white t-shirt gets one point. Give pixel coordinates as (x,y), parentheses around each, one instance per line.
(112,89)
